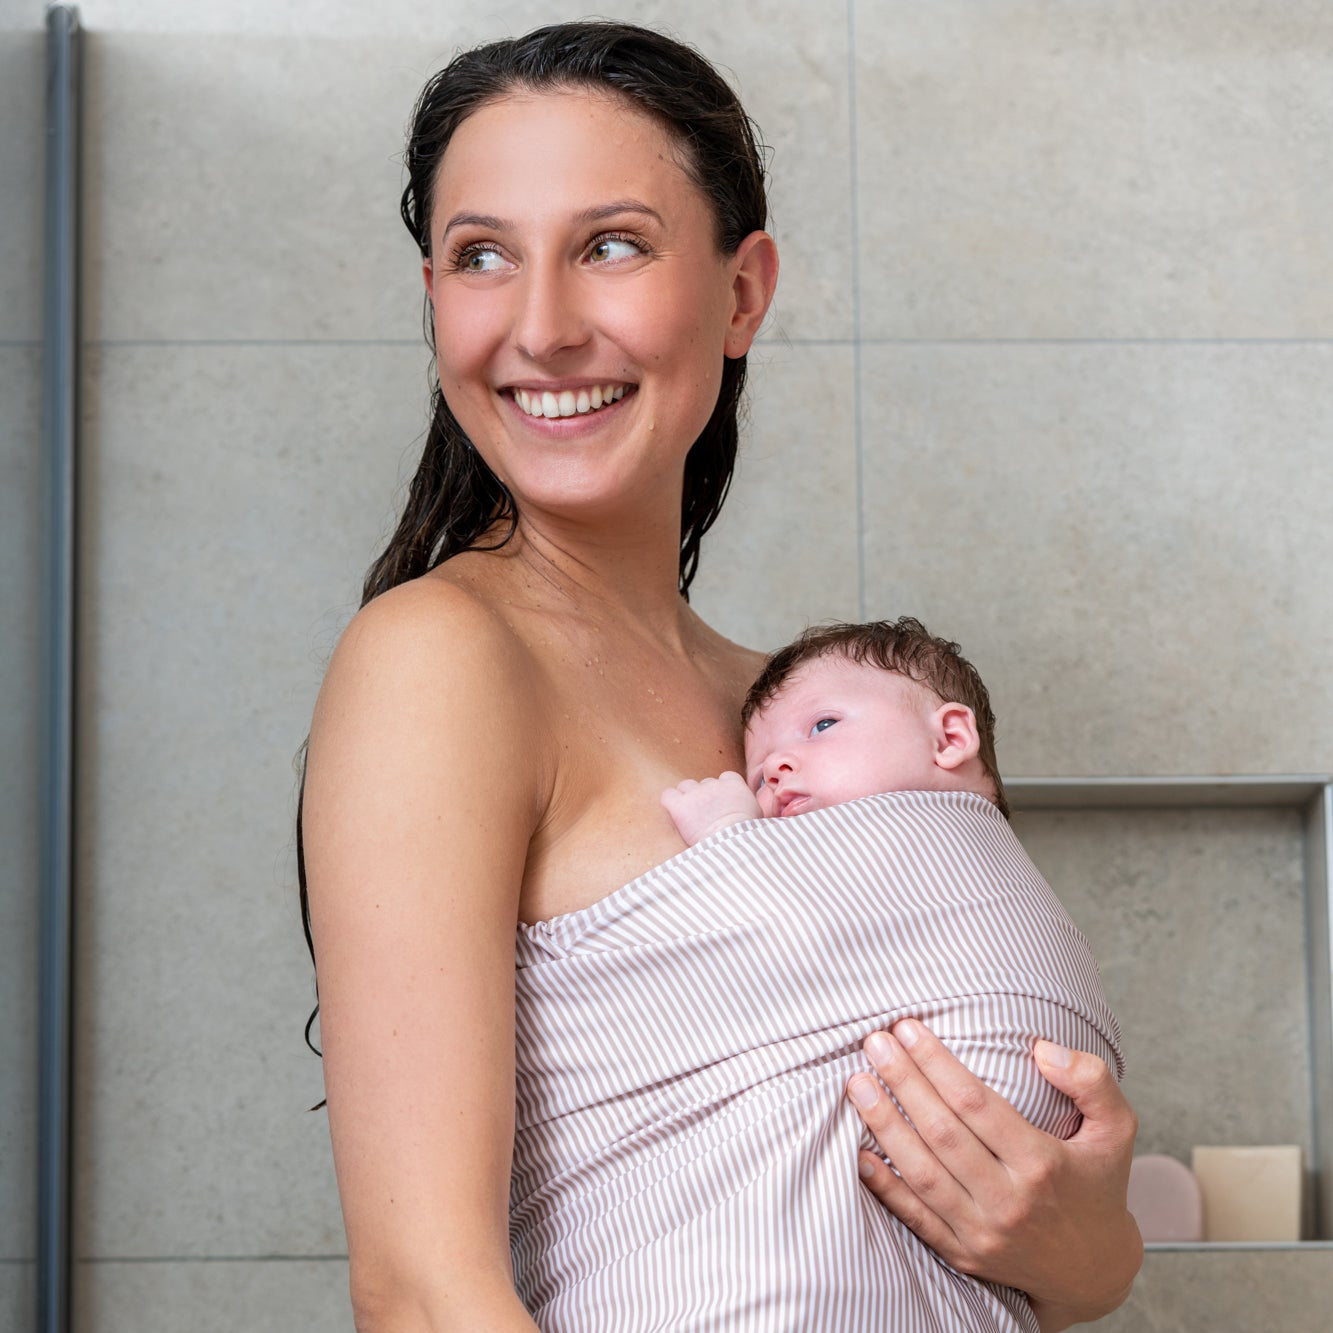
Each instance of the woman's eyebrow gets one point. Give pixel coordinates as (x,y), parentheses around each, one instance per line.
(486,221)
(603,211)
(598,213)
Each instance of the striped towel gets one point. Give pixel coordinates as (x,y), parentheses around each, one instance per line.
(685,1158)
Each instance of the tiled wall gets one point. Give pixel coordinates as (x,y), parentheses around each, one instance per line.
(1051,367)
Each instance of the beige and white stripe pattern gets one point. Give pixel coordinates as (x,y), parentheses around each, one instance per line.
(685,1158)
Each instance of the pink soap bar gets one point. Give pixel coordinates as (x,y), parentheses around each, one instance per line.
(1165,1200)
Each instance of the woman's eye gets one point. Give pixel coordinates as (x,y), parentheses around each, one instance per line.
(823,724)
(610,248)
(481,259)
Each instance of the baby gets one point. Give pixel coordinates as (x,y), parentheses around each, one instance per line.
(848,711)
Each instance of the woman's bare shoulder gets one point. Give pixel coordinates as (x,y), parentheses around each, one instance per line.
(427,617)
(438,662)
(436,632)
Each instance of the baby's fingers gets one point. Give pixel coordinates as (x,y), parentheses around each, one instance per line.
(672,796)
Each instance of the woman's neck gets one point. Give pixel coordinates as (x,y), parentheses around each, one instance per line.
(626,579)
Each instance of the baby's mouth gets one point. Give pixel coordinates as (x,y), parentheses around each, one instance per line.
(570,402)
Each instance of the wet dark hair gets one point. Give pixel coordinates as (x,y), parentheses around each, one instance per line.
(455,502)
(905,646)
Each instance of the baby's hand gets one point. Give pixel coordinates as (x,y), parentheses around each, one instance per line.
(700,808)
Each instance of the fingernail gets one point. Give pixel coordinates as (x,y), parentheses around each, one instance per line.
(907,1032)
(865,1168)
(863,1091)
(1055,1055)
(878,1048)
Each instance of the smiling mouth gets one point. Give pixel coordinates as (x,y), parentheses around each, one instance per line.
(569,402)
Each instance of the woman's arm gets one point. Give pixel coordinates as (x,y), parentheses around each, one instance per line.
(996,1197)
(423,788)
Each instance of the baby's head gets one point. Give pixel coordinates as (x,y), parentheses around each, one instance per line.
(854,710)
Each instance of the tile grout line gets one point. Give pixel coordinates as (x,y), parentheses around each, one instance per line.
(1097,342)
(784,341)
(856,314)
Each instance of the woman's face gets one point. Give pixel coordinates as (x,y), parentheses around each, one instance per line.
(573,263)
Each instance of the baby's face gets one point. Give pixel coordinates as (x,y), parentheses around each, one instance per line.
(836,731)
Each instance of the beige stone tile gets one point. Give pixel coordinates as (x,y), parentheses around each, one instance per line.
(1197,921)
(18,1297)
(275,1296)
(233,498)
(785,550)
(21,503)
(22,174)
(1228,1291)
(245,185)
(1131,542)
(242,187)
(1106,169)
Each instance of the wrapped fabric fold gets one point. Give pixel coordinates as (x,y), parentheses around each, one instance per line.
(685,1158)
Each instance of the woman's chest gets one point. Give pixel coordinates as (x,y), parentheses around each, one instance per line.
(620,738)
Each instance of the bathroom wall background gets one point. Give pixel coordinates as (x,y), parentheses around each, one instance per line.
(1051,366)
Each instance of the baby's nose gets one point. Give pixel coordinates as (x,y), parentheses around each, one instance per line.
(775,766)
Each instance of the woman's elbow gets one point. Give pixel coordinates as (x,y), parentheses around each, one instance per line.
(384,1302)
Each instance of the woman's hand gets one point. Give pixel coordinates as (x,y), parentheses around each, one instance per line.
(991,1194)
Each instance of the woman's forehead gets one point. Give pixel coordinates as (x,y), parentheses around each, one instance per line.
(528,143)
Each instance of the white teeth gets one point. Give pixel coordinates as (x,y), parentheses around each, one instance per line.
(567,402)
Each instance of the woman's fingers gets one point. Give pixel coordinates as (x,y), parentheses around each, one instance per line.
(966,1110)
(935,1151)
(899,1199)
(1108,1117)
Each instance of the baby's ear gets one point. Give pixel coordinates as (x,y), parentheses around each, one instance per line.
(956,737)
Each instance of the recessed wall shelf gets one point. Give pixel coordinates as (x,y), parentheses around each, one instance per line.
(1311,796)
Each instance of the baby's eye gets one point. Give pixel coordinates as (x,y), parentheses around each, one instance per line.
(607,249)
(823,724)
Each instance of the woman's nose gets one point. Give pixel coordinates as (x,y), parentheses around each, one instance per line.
(550,319)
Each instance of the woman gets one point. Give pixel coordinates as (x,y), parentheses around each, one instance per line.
(525,676)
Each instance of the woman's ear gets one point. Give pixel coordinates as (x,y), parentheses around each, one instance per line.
(754,280)
(956,737)
(428,276)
